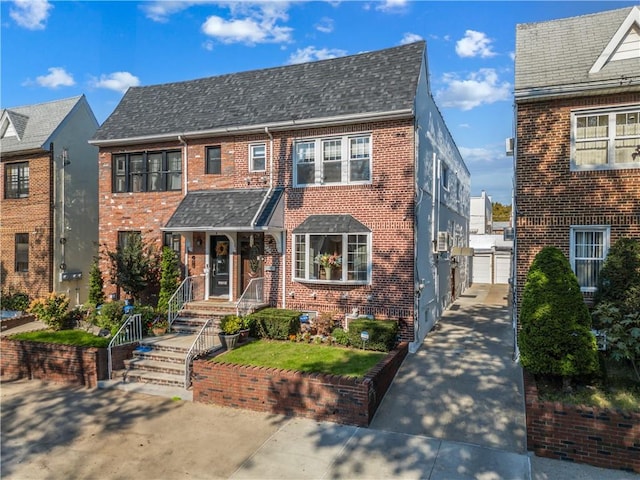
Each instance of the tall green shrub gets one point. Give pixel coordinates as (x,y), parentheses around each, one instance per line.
(134,267)
(555,337)
(620,273)
(169,278)
(96,284)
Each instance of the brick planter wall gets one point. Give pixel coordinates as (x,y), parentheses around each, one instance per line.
(58,363)
(317,396)
(582,434)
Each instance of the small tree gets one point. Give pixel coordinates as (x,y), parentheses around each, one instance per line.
(133,266)
(96,284)
(555,338)
(620,272)
(169,278)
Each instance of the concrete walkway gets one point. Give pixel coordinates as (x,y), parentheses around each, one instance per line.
(454,412)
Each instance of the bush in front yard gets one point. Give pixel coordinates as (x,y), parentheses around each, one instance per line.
(383,334)
(274,323)
(51,310)
(555,338)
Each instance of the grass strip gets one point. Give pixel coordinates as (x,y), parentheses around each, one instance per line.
(76,338)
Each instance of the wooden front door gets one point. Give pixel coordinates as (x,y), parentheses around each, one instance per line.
(251,253)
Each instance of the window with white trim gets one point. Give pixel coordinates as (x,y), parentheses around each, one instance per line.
(605,139)
(257,157)
(333,160)
(589,247)
(342,257)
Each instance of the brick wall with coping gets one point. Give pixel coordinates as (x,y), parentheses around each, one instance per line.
(577,433)
(59,363)
(317,396)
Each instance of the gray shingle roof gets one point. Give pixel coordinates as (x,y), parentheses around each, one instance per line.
(379,81)
(331,224)
(223,209)
(36,123)
(560,53)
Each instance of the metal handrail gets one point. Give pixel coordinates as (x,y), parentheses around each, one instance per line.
(204,342)
(252,296)
(131,331)
(183,295)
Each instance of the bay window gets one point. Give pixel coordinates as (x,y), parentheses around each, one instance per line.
(333,160)
(589,247)
(606,139)
(147,171)
(335,257)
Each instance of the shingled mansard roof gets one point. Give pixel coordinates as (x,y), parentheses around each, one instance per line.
(371,85)
(571,55)
(34,125)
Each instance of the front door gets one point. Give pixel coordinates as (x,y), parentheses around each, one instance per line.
(219,270)
(251,252)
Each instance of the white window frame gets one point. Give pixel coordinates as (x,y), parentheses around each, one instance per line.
(606,240)
(345,159)
(253,157)
(308,276)
(610,138)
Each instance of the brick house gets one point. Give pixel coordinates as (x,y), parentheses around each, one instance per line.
(273,174)
(48,202)
(577,139)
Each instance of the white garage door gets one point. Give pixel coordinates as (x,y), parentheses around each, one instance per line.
(503,268)
(482,268)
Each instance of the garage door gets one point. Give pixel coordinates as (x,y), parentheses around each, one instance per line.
(481,269)
(503,268)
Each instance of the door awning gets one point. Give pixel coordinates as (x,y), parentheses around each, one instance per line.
(232,210)
(331,224)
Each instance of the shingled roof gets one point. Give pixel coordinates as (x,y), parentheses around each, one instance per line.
(558,56)
(35,124)
(373,83)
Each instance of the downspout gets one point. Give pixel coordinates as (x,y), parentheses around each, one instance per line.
(435,224)
(185,187)
(514,222)
(52,206)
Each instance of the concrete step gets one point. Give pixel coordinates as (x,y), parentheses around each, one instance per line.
(148,365)
(166,356)
(156,378)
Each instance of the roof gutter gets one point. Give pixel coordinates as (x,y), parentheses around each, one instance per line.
(274,126)
(609,87)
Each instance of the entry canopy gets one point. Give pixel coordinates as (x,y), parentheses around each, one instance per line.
(331,224)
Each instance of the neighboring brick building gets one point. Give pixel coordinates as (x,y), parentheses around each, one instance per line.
(578,139)
(258,174)
(48,201)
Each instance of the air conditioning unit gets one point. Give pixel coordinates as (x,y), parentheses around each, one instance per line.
(442,245)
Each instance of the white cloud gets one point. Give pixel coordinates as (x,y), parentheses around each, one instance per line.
(512,56)
(391,6)
(312,53)
(481,87)
(160,11)
(487,154)
(325,25)
(410,38)
(474,44)
(118,81)
(208,45)
(30,14)
(251,23)
(57,77)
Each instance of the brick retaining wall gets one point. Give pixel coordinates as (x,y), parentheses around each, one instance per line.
(58,363)
(317,396)
(577,433)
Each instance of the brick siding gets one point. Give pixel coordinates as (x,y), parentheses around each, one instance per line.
(32,215)
(577,433)
(317,396)
(385,206)
(58,363)
(550,197)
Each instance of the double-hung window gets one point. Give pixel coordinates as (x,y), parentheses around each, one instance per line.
(606,139)
(589,247)
(22,252)
(333,160)
(257,157)
(342,257)
(172,240)
(16,180)
(214,160)
(147,171)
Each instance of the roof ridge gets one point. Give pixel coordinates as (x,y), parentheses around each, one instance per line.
(584,15)
(32,105)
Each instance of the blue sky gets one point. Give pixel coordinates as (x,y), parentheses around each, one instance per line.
(54,50)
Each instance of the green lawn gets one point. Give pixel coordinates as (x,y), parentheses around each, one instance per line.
(303,357)
(78,338)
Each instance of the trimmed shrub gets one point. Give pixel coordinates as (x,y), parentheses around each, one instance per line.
(96,284)
(18,301)
(555,337)
(111,315)
(51,310)
(275,323)
(383,334)
(620,275)
(169,278)
(340,336)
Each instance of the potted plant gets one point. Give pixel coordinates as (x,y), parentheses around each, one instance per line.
(230,327)
(160,326)
(329,262)
(245,331)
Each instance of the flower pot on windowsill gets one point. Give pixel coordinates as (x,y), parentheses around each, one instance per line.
(229,341)
(327,272)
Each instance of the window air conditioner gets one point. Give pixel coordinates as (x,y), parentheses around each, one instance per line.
(442,245)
